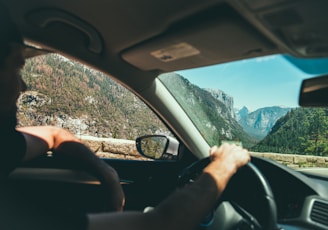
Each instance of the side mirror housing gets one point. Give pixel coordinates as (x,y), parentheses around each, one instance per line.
(158,147)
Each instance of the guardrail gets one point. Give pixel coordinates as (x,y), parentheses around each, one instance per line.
(294,160)
(125,149)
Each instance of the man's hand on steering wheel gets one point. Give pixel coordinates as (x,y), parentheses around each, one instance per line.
(230,168)
(225,161)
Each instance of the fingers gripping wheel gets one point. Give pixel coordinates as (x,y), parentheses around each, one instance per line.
(248,192)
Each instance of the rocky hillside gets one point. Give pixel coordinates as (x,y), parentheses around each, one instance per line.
(67,94)
(204,103)
(225,99)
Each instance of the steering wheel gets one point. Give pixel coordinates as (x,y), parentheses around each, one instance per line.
(248,194)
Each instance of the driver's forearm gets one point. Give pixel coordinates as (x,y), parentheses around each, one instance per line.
(82,155)
(62,142)
(40,139)
(182,210)
(186,208)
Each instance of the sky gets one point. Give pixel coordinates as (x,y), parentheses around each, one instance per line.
(254,83)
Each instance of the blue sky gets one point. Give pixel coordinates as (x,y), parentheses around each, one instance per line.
(254,83)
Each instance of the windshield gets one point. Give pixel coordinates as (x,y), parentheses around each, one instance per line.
(254,103)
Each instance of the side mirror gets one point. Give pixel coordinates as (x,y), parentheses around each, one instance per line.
(314,92)
(158,147)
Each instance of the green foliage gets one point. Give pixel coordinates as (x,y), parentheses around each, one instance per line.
(210,116)
(73,91)
(300,131)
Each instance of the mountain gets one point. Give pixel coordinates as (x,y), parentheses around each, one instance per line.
(242,113)
(225,99)
(300,131)
(259,123)
(208,105)
(67,94)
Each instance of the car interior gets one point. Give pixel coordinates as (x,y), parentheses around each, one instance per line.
(133,41)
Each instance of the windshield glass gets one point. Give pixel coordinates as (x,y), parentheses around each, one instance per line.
(254,103)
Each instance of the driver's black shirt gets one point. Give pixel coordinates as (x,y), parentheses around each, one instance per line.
(12,144)
(13,149)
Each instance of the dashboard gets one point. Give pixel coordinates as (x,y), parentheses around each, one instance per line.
(301,198)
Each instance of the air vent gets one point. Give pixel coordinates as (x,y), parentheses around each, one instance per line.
(319,213)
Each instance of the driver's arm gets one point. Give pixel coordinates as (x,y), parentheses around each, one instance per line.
(40,139)
(186,207)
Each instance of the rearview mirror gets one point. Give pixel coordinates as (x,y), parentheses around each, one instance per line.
(314,92)
(158,147)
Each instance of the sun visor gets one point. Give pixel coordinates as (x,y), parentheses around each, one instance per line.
(215,36)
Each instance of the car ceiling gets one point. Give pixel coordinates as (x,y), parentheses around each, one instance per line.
(134,40)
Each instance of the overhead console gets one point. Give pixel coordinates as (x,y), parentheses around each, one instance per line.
(296,26)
